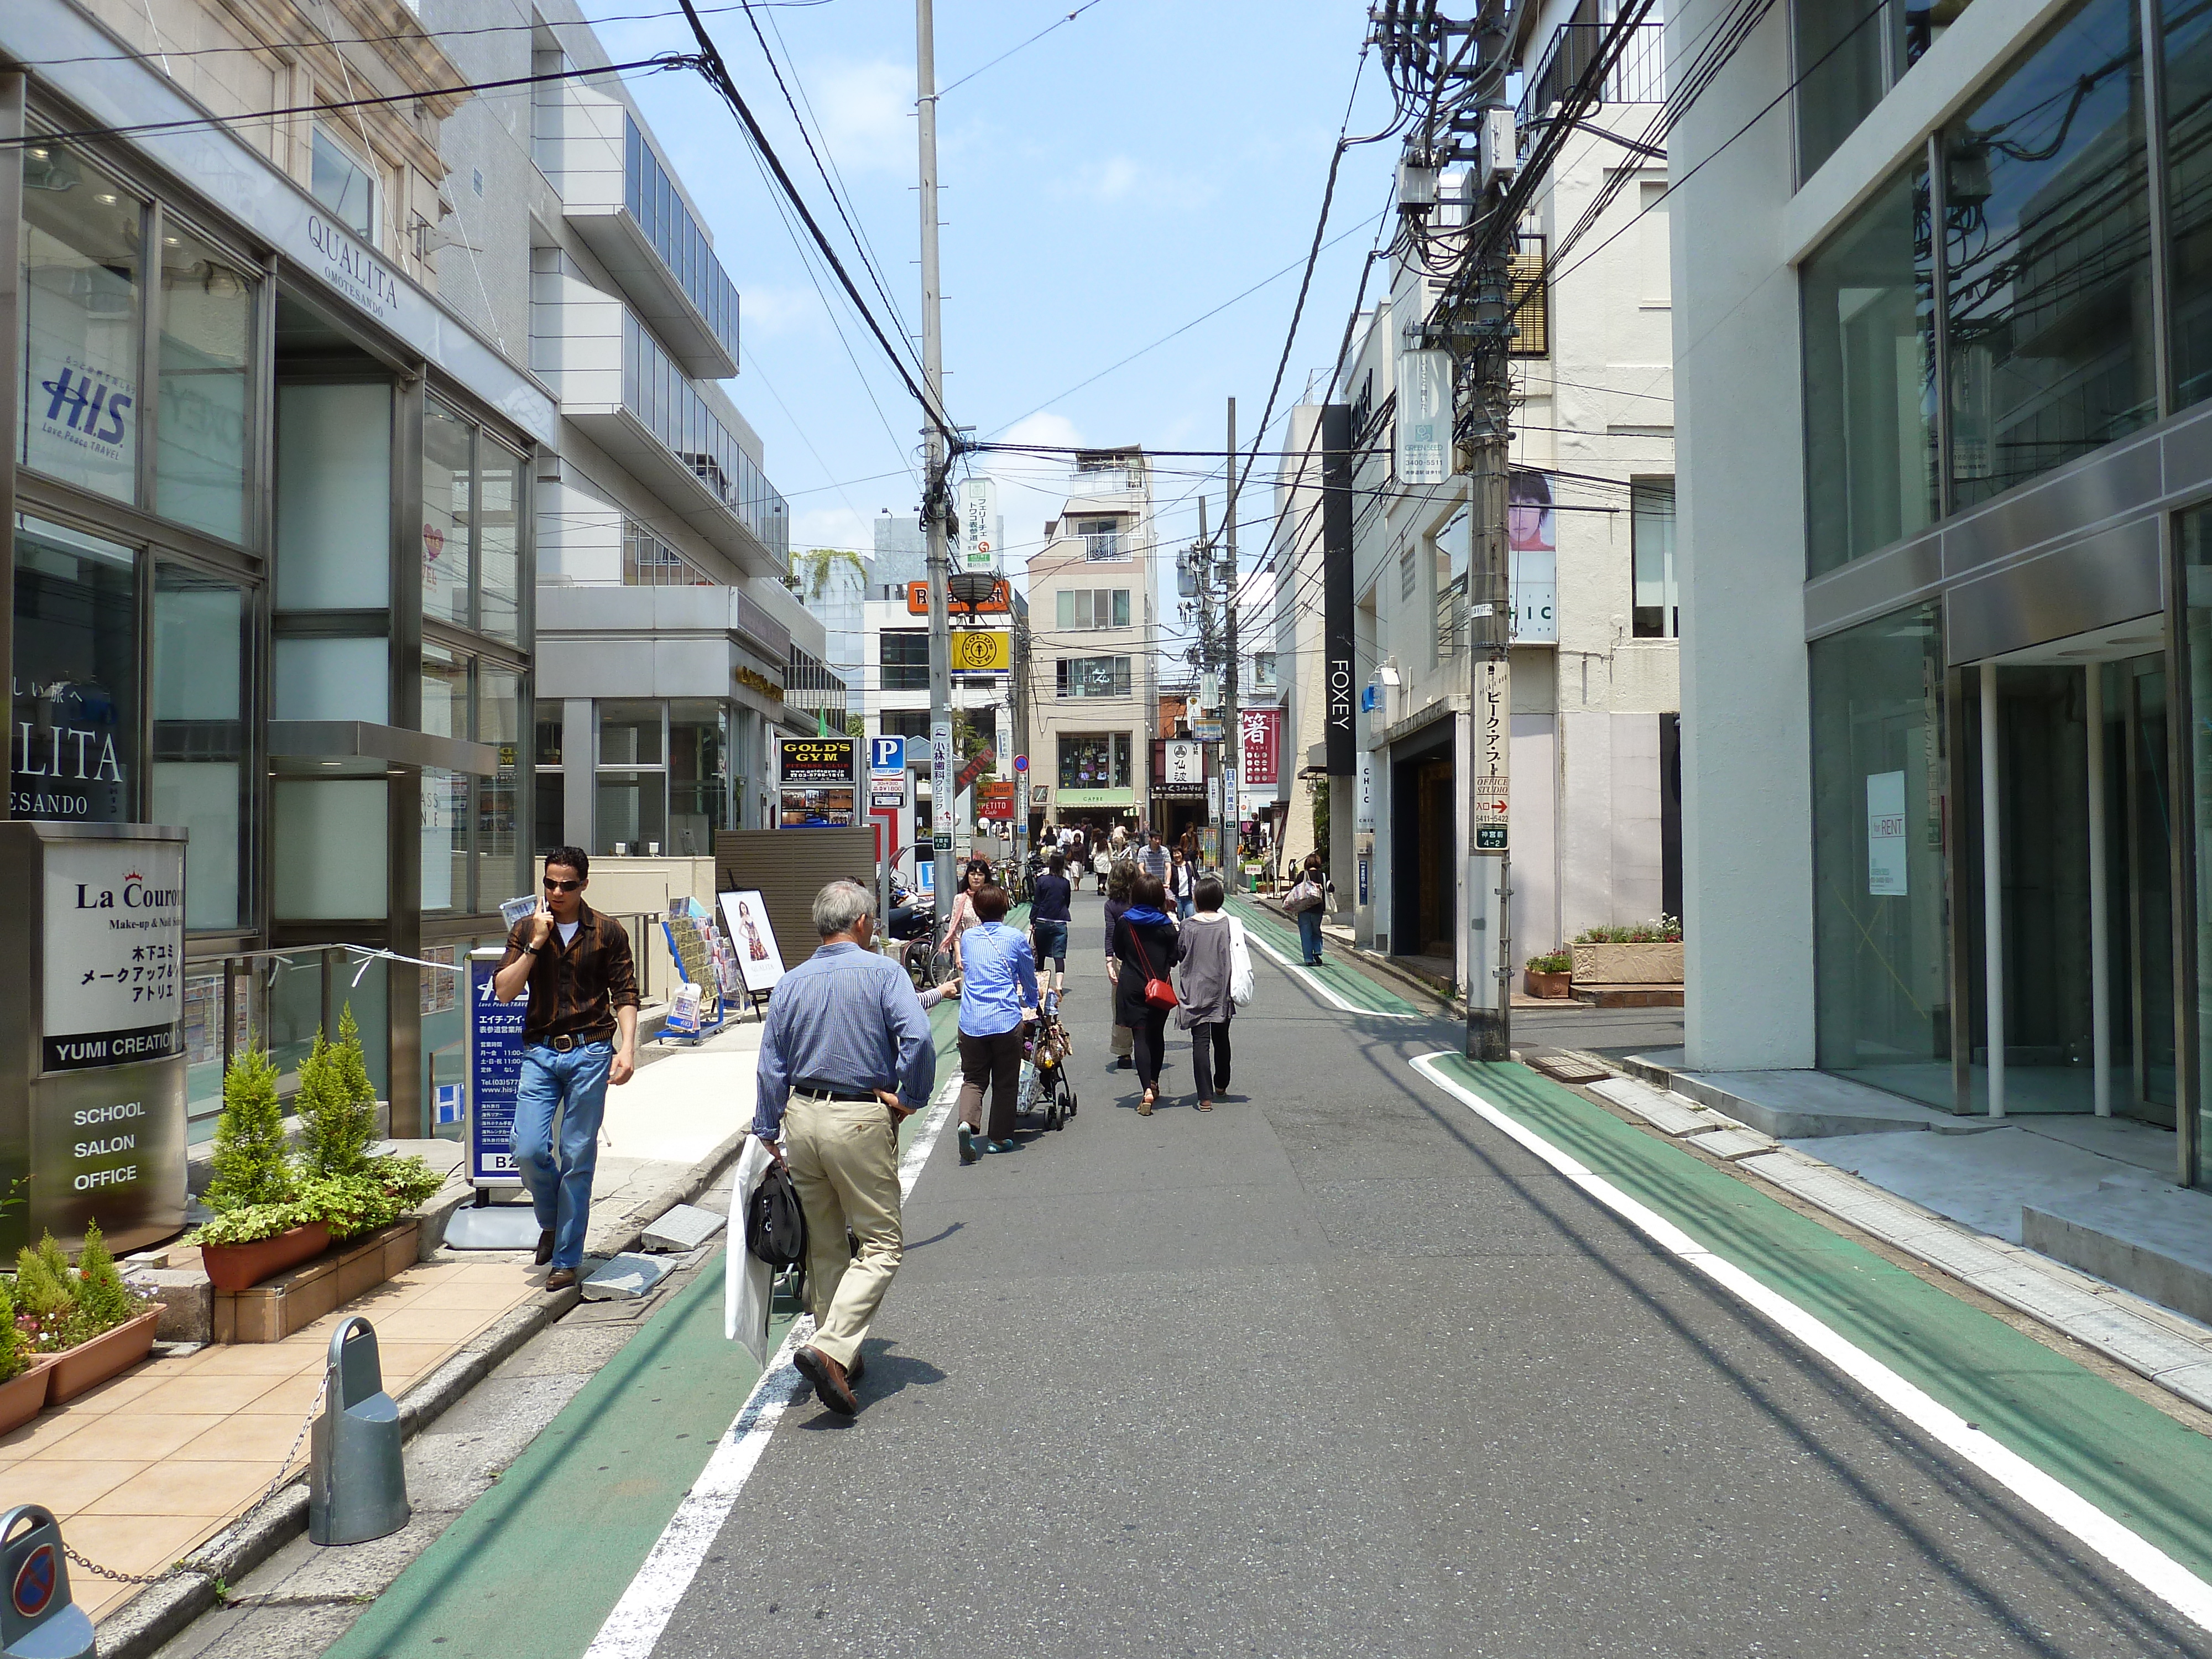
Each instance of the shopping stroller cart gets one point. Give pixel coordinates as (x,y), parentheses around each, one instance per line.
(1052,1086)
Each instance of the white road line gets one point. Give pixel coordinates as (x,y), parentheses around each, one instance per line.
(1314,981)
(2133,1554)
(633,1629)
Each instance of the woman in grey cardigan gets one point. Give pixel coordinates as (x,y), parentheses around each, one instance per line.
(1203,985)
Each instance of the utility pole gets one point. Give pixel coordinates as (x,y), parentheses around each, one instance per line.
(936,502)
(1232,733)
(1201,565)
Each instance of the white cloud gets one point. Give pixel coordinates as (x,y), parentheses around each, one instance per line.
(866,111)
(776,311)
(832,526)
(1115,179)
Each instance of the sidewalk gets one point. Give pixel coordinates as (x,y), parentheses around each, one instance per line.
(148,1468)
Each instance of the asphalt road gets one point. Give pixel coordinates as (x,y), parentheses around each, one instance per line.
(1340,1368)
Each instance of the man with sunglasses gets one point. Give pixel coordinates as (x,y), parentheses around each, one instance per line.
(583,989)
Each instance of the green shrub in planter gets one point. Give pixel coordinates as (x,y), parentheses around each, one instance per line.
(336,1104)
(62,1306)
(103,1300)
(408,1179)
(1557,962)
(251,1167)
(249,1224)
(15,1351)
(351,1205)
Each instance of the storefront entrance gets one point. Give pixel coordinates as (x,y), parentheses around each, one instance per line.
(1424,894)
(2083,845)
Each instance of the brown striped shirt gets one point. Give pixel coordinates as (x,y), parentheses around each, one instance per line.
(574,988)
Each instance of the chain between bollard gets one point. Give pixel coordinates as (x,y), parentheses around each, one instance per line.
(188,1569)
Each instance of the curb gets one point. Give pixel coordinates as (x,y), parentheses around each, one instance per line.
(1424,995)
(143,1624)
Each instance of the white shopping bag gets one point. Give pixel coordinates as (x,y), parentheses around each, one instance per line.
(748,1282)
(1240,965)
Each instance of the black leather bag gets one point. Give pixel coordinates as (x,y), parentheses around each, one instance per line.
(775,1225)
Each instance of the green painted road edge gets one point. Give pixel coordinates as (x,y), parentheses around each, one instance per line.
(533,1567)
(1353,987)
(2122,1454)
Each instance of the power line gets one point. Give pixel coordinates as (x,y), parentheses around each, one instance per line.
(1060,23)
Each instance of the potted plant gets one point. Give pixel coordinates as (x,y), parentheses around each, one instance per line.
(1639,953)
(85,1317)
(23,1373)
(339,1182)
(1551,974)
(258,1228)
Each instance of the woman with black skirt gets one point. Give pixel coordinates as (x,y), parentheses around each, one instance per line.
(1147,946)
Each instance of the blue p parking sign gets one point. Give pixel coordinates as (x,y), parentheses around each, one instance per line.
(886,754)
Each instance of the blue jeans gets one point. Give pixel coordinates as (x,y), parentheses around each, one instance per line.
(1184,907)
(1310,934)
(575,1084)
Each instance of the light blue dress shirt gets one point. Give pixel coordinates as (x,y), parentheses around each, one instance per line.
(848,1018)
(996,968)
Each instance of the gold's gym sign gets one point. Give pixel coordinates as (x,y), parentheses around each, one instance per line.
(982,650)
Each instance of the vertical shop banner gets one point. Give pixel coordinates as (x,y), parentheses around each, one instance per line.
(1261,731)
(1423,426)
(978,551)
(1492,758)
(1533,552)
(495,1072)
(1885,857)
(1336,517)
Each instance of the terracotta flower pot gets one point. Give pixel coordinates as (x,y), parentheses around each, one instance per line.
(241,1266)
(21,1397)
(1549,985)
(85,1367)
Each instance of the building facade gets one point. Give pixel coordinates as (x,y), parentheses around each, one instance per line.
(1094,629)
(271,539)
(1942,372)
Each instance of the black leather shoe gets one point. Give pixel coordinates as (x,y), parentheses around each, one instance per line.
(544,1247)
(858,1369)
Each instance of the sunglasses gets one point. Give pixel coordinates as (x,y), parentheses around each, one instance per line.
(553,886)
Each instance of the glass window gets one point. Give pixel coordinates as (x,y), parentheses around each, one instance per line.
(2187,44)
(551,811)
(331,679)
(81,323)
(2047,239)
(1881,930)
(1868,296)
(1095,763)
(632,812)
(500,493)
(1840,51)
(343,186)
(327,841)
(73,748)
(199,780)
(698,776)
(906,659)
(904,723)
(2195,529)
(448,513)
(1094,676)
(630,734)
(445,794)
(207,339)
(1651,508)
(500,874)
(334,497)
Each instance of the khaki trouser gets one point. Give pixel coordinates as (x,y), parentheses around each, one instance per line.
(843,1156)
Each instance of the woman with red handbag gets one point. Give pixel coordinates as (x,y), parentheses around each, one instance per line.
(1147,946)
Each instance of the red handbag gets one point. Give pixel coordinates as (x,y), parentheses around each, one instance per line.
(1158,993)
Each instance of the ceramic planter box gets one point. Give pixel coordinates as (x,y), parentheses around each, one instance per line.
(1629,964)
(273,1310)
(241,1266)
(22,1397)
(85,1367)
(1548,985)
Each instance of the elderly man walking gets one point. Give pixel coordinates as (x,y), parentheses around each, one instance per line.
(845,1058)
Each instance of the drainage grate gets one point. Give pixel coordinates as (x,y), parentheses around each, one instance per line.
(1567,1067)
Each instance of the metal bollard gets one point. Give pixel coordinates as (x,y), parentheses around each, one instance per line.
(38,1620)
(356,1484)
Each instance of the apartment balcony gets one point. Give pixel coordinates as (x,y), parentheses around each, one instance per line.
(1638,75)
(625,207)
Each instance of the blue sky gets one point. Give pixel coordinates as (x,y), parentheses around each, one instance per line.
(1104,186)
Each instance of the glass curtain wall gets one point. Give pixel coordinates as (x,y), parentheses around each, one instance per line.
(83,315)
(2047,298)
(445,794)
(499,724)
(1881,911)
(73,739)
(2185,44)
(698,775)
(2194,531)
(201,434)
(1869,373)
(633,779)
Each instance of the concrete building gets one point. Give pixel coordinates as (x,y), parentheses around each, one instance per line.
(1093,667)
(1946,650)
(1594,797)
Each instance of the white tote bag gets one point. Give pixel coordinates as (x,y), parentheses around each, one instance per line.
(748,1282)
(1240,965)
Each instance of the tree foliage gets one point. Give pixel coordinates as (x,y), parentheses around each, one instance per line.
(250,1164)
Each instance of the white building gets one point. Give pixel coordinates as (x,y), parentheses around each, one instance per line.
(1094,630)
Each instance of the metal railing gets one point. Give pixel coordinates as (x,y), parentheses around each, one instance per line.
(1099,548)
(1638,75)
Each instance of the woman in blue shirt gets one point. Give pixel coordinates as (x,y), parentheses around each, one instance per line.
(1049,918)
(998,989)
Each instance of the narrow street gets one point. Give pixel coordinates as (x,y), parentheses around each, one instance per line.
(1343,1368)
